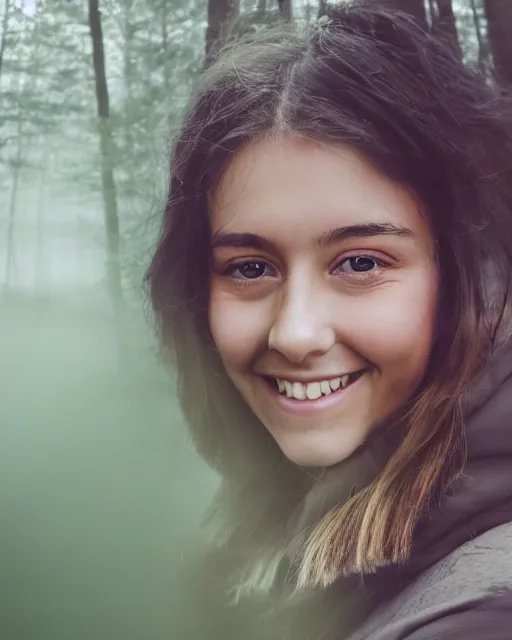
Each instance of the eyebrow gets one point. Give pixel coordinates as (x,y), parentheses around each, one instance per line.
(333,236)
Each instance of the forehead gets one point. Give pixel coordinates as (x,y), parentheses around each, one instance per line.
(280,185)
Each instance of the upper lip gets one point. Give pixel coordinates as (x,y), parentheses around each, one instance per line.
(309,378)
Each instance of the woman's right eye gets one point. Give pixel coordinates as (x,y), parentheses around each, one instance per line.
(249,270)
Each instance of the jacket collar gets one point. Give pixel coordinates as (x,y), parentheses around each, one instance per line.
(481,501)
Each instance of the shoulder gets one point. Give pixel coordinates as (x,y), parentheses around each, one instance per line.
(466,595)
(487,619)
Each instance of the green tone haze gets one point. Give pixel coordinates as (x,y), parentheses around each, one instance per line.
(101,492)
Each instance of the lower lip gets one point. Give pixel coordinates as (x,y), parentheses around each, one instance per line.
(309,407)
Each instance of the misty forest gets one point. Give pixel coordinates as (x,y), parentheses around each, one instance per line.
(101,489)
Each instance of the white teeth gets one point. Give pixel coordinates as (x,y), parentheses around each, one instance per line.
(299,391)
(312,390)
(335,383)
(325,387)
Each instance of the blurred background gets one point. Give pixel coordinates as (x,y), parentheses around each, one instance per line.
(100,488)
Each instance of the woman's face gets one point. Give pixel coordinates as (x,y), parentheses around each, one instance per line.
(323,294)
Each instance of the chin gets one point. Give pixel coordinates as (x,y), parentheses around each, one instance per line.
(318,456)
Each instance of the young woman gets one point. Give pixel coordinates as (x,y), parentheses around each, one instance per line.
(333,280)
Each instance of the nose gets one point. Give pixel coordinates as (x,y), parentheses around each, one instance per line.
(302,327)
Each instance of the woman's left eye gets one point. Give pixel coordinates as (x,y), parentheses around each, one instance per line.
(247,270)
(359,264)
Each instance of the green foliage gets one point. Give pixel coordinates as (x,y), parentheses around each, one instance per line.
(154,50)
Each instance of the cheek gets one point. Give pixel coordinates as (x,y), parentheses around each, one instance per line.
(239,331)
(397,332)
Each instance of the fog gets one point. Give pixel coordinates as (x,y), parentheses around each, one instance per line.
(100,487)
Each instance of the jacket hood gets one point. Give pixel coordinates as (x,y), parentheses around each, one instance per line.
(483,499)
(480,501)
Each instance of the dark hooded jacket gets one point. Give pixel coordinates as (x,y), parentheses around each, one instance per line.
(458,582)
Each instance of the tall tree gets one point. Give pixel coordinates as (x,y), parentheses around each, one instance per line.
(285,9)
(221,16)
(322,8)
(483,49)
(444,25)
(4,30)
(499,28)
(108,185)
(415,7)
(24,114)
(40,213)
(16,165)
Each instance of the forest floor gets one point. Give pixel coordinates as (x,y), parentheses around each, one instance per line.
(99,487)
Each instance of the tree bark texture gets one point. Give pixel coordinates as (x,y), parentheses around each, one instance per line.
(444,25)
(221,15)
(285,9)
(416,8)
(499,21)
(108,185)
(483,47)
(322,7)
(3,35)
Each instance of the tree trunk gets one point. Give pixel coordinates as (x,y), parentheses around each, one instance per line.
(165,43)
(221,14)
(10,261)
(322,8)
(128,72)
(285,9)
(482,44)
(414,7)
(499,21)
(444,26)
(10,265)
(3,35)
(108,185)
(41,202)
(128,33)
(432,9)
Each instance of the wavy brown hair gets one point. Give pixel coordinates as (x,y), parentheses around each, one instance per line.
(370,78)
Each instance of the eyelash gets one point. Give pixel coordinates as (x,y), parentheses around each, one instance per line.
(234,266)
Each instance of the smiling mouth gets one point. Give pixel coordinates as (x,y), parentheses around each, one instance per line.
(312,391)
